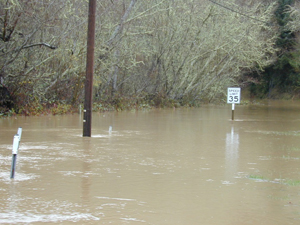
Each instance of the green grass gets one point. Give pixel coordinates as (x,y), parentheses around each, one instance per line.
(284,198)
(257,177)
(294,149)
(287,157)
(289,182)
(292,182)
(284,133)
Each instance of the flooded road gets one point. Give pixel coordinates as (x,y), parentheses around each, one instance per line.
(160,167)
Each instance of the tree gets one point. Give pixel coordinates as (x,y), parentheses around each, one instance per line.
(39,47)
(283,75)
(193,48)
(180,50)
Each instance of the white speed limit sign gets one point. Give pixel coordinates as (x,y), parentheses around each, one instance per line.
(233,95)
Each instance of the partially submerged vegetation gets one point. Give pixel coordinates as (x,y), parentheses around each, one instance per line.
(116,104)
(148,53)
(289,182)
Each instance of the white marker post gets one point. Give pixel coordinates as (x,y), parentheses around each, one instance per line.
(16,143)
(233,97)
(20,132)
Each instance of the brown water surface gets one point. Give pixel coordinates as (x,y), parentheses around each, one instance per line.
(160,167)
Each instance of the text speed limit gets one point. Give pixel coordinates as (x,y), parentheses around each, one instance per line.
(234,95)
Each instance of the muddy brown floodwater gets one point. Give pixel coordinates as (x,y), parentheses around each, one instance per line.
(160,167)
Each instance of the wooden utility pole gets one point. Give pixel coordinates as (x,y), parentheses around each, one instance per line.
(88,98)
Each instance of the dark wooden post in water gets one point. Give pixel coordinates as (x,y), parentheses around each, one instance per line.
(88,99)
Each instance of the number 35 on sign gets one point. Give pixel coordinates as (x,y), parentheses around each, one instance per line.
(233,95)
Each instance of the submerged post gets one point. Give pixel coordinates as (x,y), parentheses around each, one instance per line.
(20,133)
(87,112)
(16,143)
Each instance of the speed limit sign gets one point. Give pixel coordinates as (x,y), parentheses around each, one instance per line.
(233,95)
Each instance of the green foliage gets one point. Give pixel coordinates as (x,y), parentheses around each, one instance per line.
(258,177)
(289,182)
(281,14)
(283,76)
(292,182)
(36,108)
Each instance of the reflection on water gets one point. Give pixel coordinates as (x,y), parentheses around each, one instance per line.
(183,166)
(232,153)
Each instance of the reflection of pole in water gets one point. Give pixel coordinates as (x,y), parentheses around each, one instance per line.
(86,169)
(232,152)
(232,112)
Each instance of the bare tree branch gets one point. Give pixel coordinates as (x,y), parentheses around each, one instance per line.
(40,44)
(119,28)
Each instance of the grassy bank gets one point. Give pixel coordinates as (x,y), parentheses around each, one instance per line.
(115,104)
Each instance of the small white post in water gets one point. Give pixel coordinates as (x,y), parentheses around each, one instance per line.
(20,132)
(110,129)
(16,143)
(14,155)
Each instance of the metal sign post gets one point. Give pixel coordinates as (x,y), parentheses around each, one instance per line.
(233,97)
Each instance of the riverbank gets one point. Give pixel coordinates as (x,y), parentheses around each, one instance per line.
(135,103)
(116,104)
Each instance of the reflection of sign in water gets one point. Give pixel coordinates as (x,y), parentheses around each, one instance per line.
(234,95)
(232,152)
